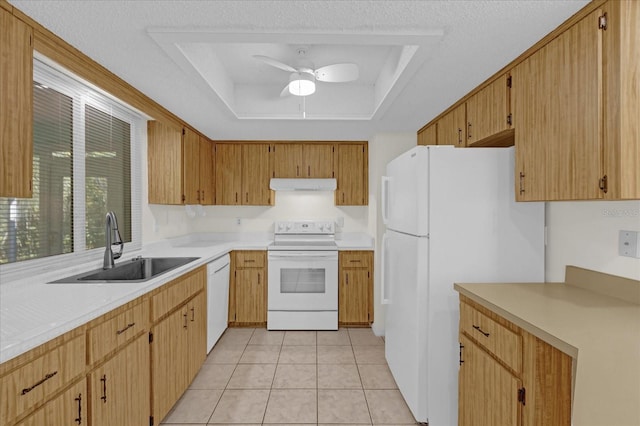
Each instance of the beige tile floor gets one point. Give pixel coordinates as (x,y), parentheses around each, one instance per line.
(255,376)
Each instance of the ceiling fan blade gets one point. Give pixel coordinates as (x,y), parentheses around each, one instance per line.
(275,63)
(285,92)
(337,73)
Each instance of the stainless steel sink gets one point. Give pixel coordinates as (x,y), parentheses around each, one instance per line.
(133,271)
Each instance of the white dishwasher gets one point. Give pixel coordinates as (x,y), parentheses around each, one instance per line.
(217,299)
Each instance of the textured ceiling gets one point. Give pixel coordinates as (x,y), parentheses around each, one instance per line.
(478,38)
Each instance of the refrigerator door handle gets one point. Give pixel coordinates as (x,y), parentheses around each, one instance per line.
(383,197)
(383,299)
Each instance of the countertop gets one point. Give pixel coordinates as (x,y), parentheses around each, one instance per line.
(33,312)
(601,333)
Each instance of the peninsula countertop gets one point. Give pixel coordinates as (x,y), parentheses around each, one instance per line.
(600,332)
(33,312)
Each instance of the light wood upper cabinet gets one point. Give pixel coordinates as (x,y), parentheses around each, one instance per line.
(451,127)
(228,172)
(164,157)
(428,136)
(256,172)
(16,107)
(557,109)
(303,160)
(206,171)
(352,174)
(120,388)
(191,166)
(355,291)
(488,114)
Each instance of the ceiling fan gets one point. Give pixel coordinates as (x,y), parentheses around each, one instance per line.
(302,81)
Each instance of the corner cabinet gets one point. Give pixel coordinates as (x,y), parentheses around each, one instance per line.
(248,288)
(508,376)
(352,174)
(179,165)
(355,288)
(575,105)
(16,99)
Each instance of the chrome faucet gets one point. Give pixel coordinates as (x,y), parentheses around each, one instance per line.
(111,230)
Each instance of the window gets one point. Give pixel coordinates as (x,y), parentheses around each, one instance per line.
(85,163)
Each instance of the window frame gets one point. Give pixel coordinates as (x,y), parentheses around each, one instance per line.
(83,93)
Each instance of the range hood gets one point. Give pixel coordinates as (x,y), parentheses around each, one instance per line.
(279,184)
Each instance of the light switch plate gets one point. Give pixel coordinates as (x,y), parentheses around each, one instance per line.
(629,244)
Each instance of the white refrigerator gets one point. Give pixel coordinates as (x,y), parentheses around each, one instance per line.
(450,216)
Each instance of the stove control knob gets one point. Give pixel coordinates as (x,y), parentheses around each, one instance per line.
(288,226)
(321,227)
(280,226)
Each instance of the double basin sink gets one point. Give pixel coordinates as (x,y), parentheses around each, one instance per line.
(137,270)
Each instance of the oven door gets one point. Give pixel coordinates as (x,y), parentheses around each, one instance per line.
(303,281)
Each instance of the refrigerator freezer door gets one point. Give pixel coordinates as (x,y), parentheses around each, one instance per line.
(406,192)
(406,289)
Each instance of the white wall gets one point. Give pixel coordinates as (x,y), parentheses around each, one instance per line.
(585,234)
(382,149)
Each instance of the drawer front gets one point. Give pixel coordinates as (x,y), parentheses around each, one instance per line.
(497,339)
(356,259)
(68,409)
(115,332)
(38,380)
(250,259)
(177,292)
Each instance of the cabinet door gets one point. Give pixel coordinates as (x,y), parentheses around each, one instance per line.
(206,171)
(557,113)
(251,299)
(353,306)
(318,160)
(256,173)
(487,392)
(69,409)
(164,159)
(120,387)
(191,168)
(228,172)
(428,135)
(352,174)
(287,160)
(451,128)
(169,368)
(488,111)
(197,333)
(16,98)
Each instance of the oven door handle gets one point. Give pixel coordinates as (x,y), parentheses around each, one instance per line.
(302,255)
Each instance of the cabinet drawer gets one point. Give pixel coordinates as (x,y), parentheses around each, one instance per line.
(355,259)
(176,292)
(68,409)
(250,259)
(497,339)
(113,333)
(38,380)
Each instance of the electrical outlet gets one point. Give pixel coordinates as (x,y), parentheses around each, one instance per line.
(238,221)
(628,244)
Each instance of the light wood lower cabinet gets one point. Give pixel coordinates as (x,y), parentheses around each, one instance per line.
(248,288)
(355,288)
(120,387)
(508,376)
(178,340)
(69,409)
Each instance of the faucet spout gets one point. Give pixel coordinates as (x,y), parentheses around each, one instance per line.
(112,238)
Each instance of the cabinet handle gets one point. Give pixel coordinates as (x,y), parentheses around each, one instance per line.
(258,279)
(202,195)
(459,136)
(246,197)
(460,358)
(198,196)
(521,183)
(236,197)
(469,130)
(343,197)
(249,261)
(104,388)
(347,278)
(78,419)
(38,383)
(193,314)
(603,184)
(297,170)
(477,327)
(308,171)
(355,261)
(126,328)
(185,315)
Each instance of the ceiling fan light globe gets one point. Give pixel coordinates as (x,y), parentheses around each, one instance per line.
(302,84)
